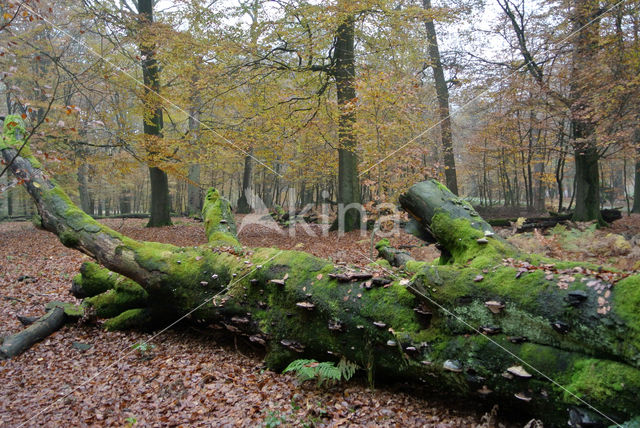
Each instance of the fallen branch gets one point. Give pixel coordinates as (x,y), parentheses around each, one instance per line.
(43,327)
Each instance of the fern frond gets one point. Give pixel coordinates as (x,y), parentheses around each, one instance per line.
(347,368)
(324,372)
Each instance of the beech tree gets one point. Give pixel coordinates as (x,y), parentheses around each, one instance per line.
(152,117)
(442,94)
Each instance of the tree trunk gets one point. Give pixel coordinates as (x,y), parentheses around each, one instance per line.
(160,202)
(463,325)
(244,205)
(160,199)
(124,201)
(587,185)
(194,193)
(83,188)
(587,175)
(442,93)
(636,183)
(348,182)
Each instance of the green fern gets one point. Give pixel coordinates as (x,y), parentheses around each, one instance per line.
(347,368)
(324,372)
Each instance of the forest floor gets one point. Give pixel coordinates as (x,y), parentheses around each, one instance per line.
(194,378)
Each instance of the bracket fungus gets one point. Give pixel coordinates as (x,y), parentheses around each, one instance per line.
(494,306)
(452,366)
(519,371)
(306,305)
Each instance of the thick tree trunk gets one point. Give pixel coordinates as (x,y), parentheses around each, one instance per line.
(160,199)
(463,326)
(442,93)
(587,185)
(348,182)
(587,175)
(152,123)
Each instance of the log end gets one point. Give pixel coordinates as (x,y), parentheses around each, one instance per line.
(465,240)
(13,133)
(71,311)
(219,222)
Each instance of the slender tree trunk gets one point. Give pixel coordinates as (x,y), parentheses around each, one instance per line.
(636,184)
(83,188)
(194,193)
(244,205)
(442,93)
(559,171)
(125,201)
(348,182)
(160,198)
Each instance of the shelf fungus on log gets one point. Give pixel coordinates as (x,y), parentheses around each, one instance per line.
(306,305)
(597,354)
(519,371)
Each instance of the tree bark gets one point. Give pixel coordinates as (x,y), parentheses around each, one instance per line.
(244,205)
(194,193)
(344,73)
(445,326)
(636,184)
(83,188)
(587,175)
(587,178)
(442,93)
(152,123)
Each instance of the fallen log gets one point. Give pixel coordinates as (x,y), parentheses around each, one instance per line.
(487,321)
(43,327)
(530,223)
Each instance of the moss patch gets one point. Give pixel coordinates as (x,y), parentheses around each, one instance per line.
(133,318)
(219,223)
(70,310)
(13,134)
(126,295)
(94,279)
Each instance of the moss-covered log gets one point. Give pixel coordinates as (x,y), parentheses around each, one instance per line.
(463,325)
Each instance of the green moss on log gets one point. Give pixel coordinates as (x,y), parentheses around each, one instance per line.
(69,238)
(532,305)
(70,310)
(13,134)
(126,295)
(133,318)
(219,222)
(93,280)
(460,237)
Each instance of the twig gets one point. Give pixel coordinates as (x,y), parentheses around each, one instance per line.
(13,298)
